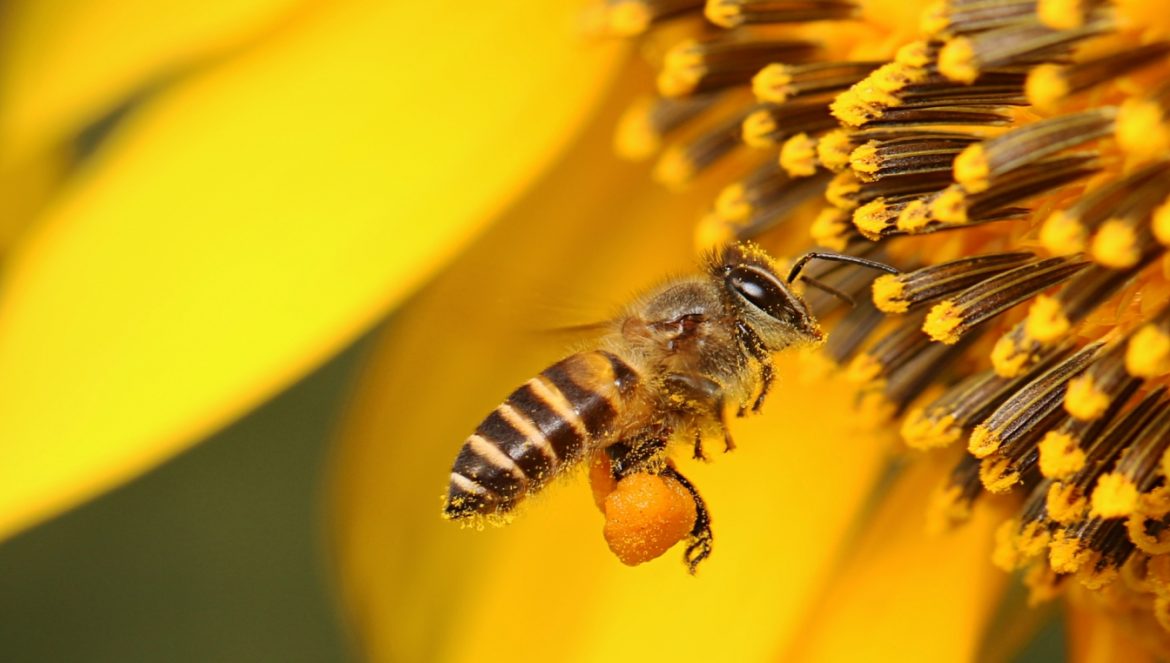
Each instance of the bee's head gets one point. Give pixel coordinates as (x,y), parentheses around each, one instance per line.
(761,298)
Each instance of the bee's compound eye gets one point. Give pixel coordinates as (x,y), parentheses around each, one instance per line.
(763,291)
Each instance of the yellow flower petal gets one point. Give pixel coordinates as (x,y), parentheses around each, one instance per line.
(62,64)
(546,587)
(904,594)
(252,220)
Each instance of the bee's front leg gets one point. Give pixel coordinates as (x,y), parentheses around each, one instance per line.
(710,394)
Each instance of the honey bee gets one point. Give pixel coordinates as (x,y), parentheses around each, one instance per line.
(666,367)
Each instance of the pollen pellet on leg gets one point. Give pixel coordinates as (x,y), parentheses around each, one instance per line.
(645,515)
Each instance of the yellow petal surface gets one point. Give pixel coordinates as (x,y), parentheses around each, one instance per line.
(65,62)
(255,218)
(903,594)
(546,587)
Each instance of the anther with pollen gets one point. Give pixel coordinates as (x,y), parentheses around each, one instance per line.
(1068,229)
(952,502)
(963,59)
(1123,238)
(981,164)
(950,19)
(734,13)
(1050,84)
(952,318)
(768,125)
(682,162)
(1143,125)
(1147,352)
(898,293)
(626,18)
(778,83)
(1068,497)
(1050,319)
(1138,469)
(649,121)
(1091,394)
(1032,408)
(693,66)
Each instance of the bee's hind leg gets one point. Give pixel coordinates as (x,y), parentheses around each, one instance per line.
(701,538)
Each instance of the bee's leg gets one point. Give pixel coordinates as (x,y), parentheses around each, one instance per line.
(755,347)
(710,393)
(642,454)
(701,538)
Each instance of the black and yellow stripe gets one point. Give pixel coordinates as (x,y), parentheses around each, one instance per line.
(542,428)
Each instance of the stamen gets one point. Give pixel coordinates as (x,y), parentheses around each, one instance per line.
(694,66)
(951,319)
(832,229)
(952,502)
(1065,14)
(958,18)
(768,124)
(910,155)
(834,148)
(734,13)
(798,155)
(1050,84)
(902,292)
(1122,239)
(981,164)
(964,58)
(1116,494)
(779,83)
(1051,318)
(1067,230)
(1142,130)
(648,121)
(852,331)
(1030,411)
(627,18)
(680,163)
(1091,395)
(1068,498)
(1147,354)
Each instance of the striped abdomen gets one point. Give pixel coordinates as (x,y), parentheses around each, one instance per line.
(544,427)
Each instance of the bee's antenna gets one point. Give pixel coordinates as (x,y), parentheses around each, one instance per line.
(837,257)
(825,287)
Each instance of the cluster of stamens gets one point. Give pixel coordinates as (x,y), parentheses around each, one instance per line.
(1014,161)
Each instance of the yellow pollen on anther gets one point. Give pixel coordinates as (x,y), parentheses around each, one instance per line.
(1141,130)
(922,432)
(935,20)
(1061,14)
(1060,455)
(723,13)
(864,368)
(1046,87)
(997,474)
(1161,223)
(971,168)
(1154,544)
(945,509)
(673,168)
(1062,234)
(874,409)
(732,205)
(1006,358)
(771,84)
(1115,245)
(1084,400)
(864,159)
(957,61)
(888,291)
(1115,496)
(1066,554)
(1046,321)
(1065,502)
(635,138)
(798,156)
(1033,539)
(942,322)
(983,442)
(914,217)
(950,206)
(1148,353)
(833,149)
(830,229)
(758,128)
(627,19)
(871,219)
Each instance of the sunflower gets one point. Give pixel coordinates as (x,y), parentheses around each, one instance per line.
(1011,159)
